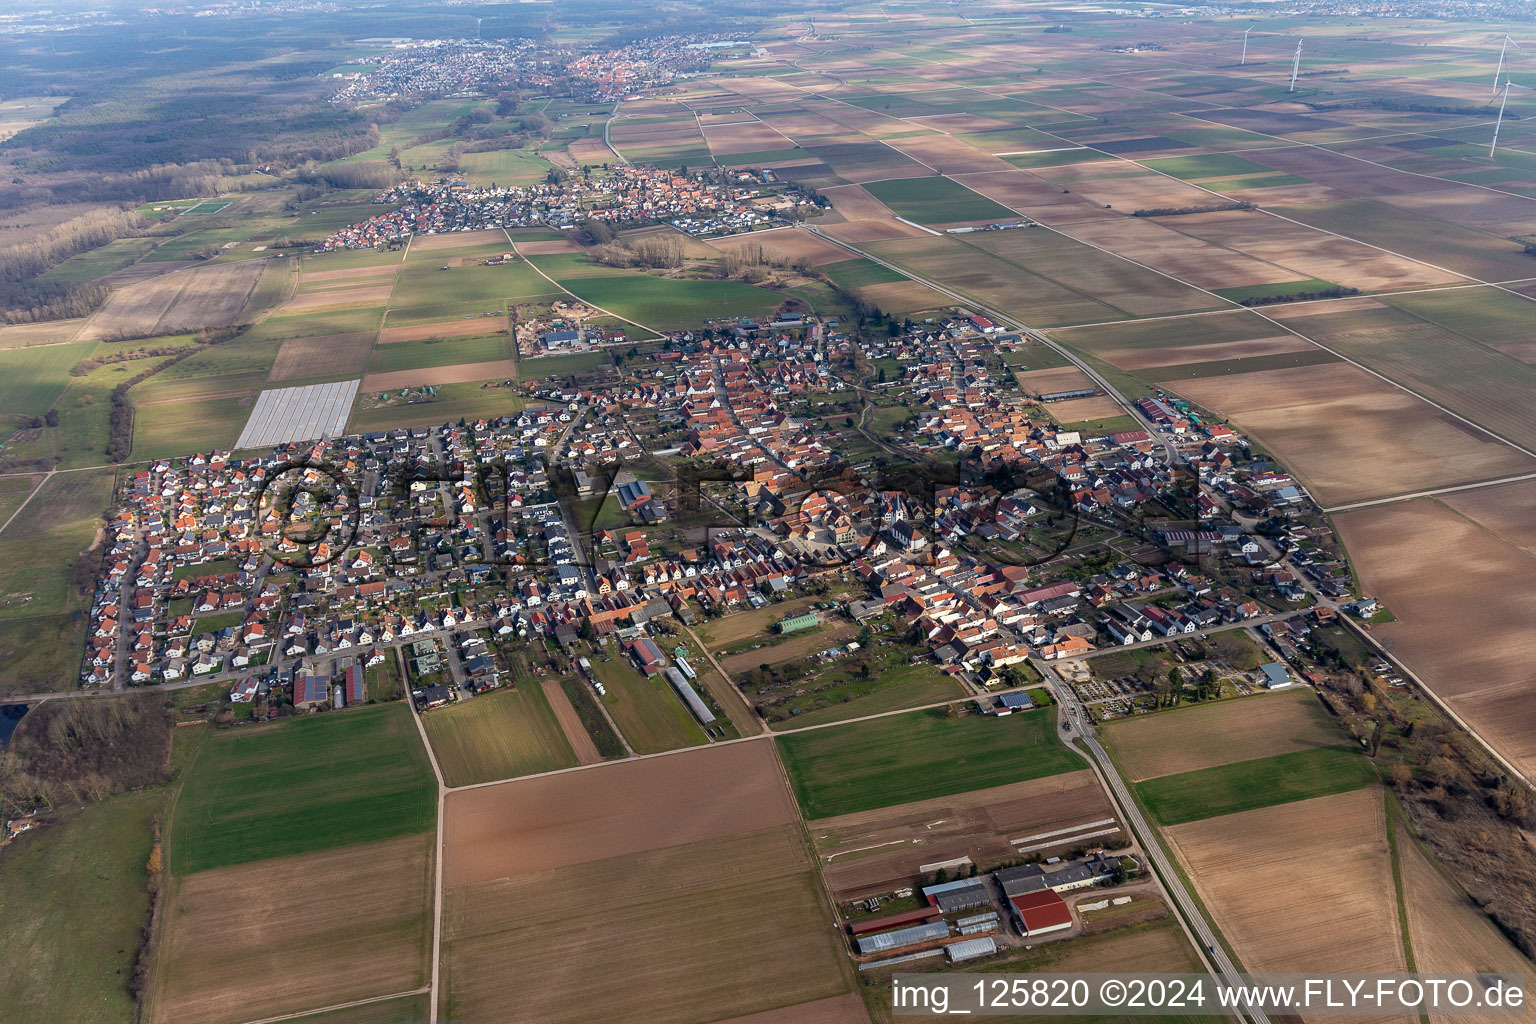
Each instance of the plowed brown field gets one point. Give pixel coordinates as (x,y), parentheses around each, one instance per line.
(279,936)
(612,810)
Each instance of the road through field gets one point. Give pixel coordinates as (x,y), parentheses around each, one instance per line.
(437,869)
(1075,723)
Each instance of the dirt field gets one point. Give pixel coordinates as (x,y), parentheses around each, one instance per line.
(847,1009)
(860,231)
(1057,378)
(877,851)
(213,297)
(718,928)
(46,333)
(457,240)
(750,137)
(1464,601)
(133,310)
(450,329)
(1506,510)
(948,155)
(432,376)
(613,810)
(1204,736)
(296,933)
(855,203)
(900,297)
(1350,436)
(1128,190)
(1162,249)
(333,354)
(1080,410)
(553,247)
(791,244)
(1309,252)
(1145,359)
(1451,934)
(372,295)
(591,151)
(349,275)
(1277,878)
(570,723)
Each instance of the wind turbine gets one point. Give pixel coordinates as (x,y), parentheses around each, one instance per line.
(1295,66)
(1494,146)
(1503,48)
(1250,28)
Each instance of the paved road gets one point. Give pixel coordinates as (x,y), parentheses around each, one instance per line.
(1076,727)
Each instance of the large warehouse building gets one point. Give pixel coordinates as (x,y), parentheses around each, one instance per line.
(1040,913)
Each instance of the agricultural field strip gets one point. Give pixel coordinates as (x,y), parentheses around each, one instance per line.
(715,744)
(1476,485)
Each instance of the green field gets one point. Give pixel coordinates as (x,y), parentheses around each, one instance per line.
(1265,291)
(423,282)
(936,201)
(860,272)
(498,735)
(88,266)
(907,687)
(902,758)
(662,303)
(1210,165)
(31,378)
(313,783)
(1054,157)
(73,899)
(452,403)
(415,355)
(1262,782)
(58,524)
(646,711)
(560,366)
(181,428)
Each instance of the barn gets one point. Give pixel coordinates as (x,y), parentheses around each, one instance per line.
(1040,913)
(922,915)
(690,697)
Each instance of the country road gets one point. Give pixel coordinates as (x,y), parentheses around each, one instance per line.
(1075,724)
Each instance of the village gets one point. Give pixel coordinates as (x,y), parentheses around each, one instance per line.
(469,67)
(680,490)
(626,196)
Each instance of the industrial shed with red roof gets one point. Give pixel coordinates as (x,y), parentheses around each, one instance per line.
(1038,913)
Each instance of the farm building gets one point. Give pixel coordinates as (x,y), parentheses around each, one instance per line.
(885,942)
(634,493)
(352,684)
(1018,700)
(310,690)
(1021,880)
(690,697)
(958,895)
(909,917)
(1040,913)
(647,654)
(798,622)
(1062,396)
(1276,676)
(970,949)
